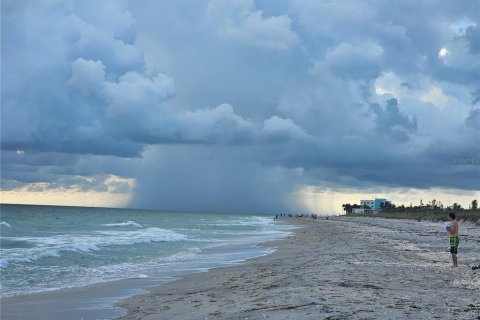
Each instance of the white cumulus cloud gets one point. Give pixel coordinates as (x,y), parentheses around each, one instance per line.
(240,21)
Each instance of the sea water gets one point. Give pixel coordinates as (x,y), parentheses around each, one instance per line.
(45,248)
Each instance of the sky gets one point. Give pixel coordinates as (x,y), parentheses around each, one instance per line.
(242,106)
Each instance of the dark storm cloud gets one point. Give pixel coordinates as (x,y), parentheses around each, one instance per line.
(232,105)
(473,119)
(476,96)
(393,124)
(214,179)
(473,37)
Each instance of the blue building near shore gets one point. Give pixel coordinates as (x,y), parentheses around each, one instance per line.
(370,205)
(378,203)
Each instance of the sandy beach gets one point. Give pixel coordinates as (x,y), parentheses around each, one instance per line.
(343,268)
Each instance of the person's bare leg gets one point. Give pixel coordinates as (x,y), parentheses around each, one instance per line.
(454,258)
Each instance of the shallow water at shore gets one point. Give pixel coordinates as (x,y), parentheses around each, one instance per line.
(74,256)
(45,248)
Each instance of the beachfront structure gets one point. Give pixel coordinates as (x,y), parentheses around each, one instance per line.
(370,205)
(359,210)
(367,204)
(378,203)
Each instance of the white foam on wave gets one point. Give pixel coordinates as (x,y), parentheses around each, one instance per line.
(55,245)
(85,247)
(246,221)
(146,235)
(130,270)
(5,262)
(190,254)
(122,224)
(6,224)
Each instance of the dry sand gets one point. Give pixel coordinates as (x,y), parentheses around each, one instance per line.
(329,269)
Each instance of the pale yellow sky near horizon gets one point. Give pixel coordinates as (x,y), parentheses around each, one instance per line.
(331,200)
(42,194)
(308,198)
(67,198)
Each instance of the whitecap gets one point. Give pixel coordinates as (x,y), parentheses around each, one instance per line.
(3,223)
(84,247)
(4,263)
(34,257)
(57,245)
(122,224)
(147,235)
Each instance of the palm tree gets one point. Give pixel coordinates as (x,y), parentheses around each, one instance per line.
(474,205)
(347,207)
(456,206)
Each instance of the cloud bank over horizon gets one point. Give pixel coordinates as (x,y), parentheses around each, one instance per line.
(235,106)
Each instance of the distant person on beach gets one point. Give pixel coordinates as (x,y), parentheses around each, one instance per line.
(452,229)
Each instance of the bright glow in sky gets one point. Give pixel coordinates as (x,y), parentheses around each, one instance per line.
(436,97)
(443,52)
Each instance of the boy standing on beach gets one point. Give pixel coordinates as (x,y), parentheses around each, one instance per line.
(453,237)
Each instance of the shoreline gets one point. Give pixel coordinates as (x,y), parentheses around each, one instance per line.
(338,268)
(332,268)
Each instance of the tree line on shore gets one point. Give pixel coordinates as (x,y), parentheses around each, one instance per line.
(433,205)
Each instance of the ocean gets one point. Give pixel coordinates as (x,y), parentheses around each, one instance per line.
(47,248)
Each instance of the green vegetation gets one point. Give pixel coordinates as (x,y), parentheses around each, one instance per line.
(437,215)
(434,211)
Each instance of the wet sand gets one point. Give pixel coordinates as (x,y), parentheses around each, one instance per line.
(340,268)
